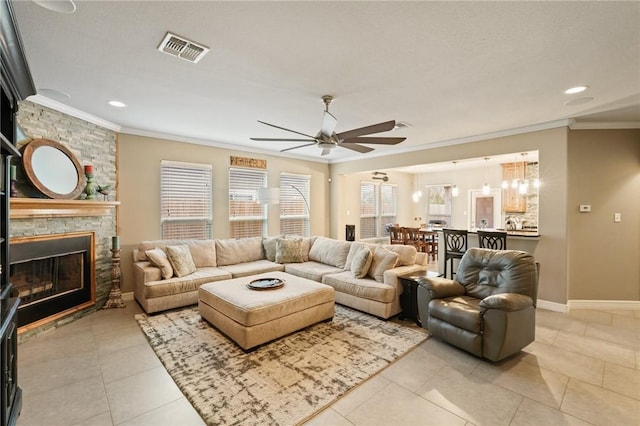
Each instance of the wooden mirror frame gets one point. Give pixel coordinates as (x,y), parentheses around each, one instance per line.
(27,162)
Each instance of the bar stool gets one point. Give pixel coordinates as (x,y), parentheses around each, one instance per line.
(492,240)
(455,245)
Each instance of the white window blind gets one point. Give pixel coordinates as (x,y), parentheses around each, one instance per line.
(368,210)
(378,207)
(294,208)
(388,206)
(185,200)
(247,217)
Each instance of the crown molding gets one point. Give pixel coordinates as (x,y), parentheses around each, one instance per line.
(468,139)
(66,109)
(221,145)
(595,125)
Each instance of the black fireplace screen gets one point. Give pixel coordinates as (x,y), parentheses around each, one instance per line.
(51,275)
(39,279)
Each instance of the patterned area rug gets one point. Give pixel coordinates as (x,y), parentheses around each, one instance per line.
(284,382)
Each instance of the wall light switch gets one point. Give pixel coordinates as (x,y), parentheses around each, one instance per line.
(617,217)
(585,208)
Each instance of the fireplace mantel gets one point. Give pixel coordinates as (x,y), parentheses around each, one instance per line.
(29,208)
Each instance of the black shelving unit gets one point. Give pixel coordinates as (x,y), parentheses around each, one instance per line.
(16,84)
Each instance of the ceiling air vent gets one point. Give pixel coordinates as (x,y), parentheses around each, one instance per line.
(182,48)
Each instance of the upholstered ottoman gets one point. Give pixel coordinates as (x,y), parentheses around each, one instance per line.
(253,317)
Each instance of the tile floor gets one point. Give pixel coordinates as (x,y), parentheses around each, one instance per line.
(583,369)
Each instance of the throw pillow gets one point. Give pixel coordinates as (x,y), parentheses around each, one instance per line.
(159,258)
(181,260)
(383,260)
(361,262)
(269,245)
(289,251)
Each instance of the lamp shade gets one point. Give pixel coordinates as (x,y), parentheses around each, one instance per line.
(268,195)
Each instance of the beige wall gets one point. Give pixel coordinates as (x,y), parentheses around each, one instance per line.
(569,268)
(139,190)
(604,257)
(551,250)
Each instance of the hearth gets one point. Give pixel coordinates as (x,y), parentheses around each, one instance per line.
(53,275)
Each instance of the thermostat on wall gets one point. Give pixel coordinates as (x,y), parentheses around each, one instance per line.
(585,208)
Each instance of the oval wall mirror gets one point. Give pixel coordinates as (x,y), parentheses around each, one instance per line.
(53,169)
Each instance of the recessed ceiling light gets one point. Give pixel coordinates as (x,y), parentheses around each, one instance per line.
(577,89)
(579,101)
(117,104)
(60,6)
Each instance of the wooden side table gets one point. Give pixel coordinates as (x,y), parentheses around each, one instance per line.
(409,296)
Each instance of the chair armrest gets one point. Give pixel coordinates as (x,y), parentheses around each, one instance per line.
(507,302)
(440,288)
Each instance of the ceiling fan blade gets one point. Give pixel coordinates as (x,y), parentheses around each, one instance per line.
(358,148)
(326,151)
(374,128)
(296,147)
(287,130)
(282,140)
(375,140)
(329,123)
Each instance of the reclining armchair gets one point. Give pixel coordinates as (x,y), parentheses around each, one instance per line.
(489,309)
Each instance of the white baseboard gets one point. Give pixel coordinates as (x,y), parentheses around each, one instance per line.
(552,306)
(127,297)
(605,305)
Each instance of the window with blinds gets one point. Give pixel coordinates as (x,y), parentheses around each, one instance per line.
(185,200)
(377,208)
(388,214)
(247,217)
(368,210)
(294,207)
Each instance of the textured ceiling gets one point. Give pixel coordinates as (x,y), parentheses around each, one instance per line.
(452,70)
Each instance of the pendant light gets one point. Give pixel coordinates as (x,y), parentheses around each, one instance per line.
(486,189)
(454,190)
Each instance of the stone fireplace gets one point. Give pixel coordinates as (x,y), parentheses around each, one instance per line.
(54,275)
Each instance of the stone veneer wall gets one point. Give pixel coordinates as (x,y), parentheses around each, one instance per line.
(90,144)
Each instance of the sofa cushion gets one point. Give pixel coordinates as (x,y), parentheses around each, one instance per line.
(242,250)
(355,246)
(407,254)
(383,260)
(186,284)
(269,245)
(289,250)
(330,251)
(181,260)
(159,258)
(251,268)
(365,288)
(311,270)
(361,262)
(203,252)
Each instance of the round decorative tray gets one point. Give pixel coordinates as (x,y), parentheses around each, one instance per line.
(265,284)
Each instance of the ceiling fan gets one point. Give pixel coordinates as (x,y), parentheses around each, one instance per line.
(327,138)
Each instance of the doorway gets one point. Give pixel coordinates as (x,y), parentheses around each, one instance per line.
(485,210)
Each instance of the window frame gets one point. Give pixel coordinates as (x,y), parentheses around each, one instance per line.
(246,192)
(175,179)
(289,196)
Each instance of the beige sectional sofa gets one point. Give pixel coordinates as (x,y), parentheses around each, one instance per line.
(364,276)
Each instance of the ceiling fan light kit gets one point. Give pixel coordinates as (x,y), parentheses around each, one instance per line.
(327,138)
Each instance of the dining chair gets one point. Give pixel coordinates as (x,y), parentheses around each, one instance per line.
(396,234)
(414,237)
